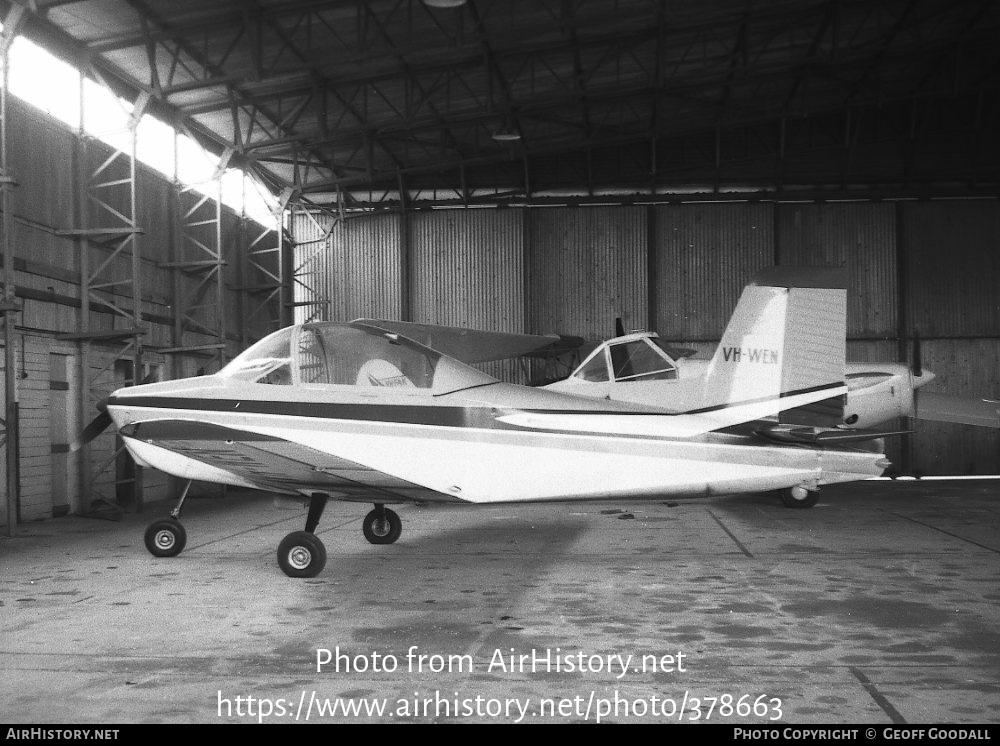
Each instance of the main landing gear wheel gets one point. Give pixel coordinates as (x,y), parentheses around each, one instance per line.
(382,526)
(301,555)
(165,538)
(798,497)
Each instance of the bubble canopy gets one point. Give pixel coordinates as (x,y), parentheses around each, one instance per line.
(353,354)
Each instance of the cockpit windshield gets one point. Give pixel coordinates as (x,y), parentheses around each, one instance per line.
(347,354)
(632,359)
(268,361)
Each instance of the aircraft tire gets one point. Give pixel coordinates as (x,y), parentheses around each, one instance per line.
(793,497)
(382,532)
(301,555)
(165,537)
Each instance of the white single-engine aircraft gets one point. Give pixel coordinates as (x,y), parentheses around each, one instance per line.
(358,412)
(639,368)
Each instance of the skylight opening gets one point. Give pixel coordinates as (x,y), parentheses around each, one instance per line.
(155,145)
(41,79)
(45,81)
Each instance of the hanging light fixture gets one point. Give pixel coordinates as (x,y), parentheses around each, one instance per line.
(504,134)
(444,3)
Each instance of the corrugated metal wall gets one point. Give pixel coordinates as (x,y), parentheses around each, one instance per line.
(705,253)
(950,251)
(927,266)
(349,269)
(859,236)
(588,267)
(371,271)
(466,268)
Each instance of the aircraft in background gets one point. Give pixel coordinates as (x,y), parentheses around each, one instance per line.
(640,368)
(360,412)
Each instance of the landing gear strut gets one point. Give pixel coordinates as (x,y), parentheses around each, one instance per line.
(301,554)
(166,537)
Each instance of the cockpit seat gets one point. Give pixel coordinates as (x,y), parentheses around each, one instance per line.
(378,372)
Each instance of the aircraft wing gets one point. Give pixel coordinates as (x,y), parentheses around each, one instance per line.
(960,409)
(474,345)
(272,464)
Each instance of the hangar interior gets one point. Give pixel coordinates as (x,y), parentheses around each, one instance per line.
(543,166)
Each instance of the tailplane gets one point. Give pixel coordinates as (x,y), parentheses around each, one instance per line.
(785,346)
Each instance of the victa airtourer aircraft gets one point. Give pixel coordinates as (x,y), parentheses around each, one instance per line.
(639,368)
(357,412)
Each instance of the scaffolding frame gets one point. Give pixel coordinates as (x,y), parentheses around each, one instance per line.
(264,270)
(197,254)
(108,246)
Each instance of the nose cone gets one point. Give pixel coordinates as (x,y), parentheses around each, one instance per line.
(922,379)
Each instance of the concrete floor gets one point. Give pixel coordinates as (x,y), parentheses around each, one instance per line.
(881,605)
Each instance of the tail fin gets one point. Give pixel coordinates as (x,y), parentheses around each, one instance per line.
(786,342)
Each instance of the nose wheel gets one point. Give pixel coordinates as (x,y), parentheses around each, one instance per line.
(165,537)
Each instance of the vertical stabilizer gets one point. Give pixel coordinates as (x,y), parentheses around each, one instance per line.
(786,342)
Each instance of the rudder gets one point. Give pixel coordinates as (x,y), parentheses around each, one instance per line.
(787,337)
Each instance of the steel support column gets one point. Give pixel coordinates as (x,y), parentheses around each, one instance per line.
(8,305)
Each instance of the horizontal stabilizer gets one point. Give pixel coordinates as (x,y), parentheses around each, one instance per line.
(959,409)
(836,437)
(813,437)
(685,425)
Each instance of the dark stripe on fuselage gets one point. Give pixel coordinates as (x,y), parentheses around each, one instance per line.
(403,414)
